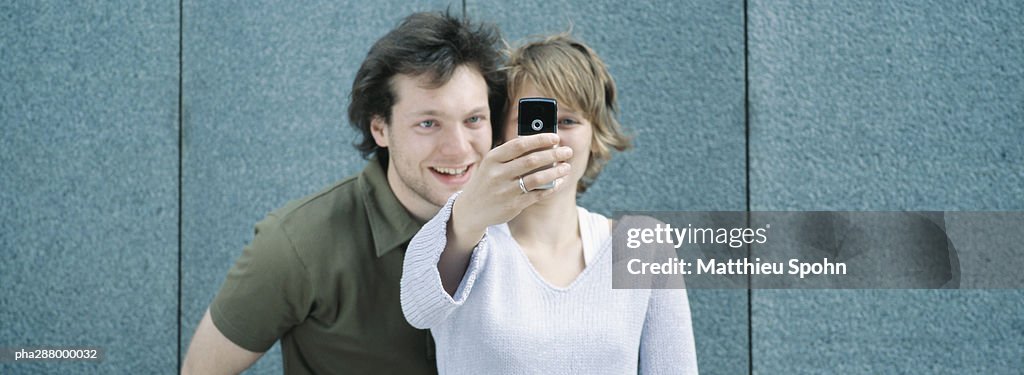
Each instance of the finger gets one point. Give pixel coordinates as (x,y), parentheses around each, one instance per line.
(541,194)
(546,176)
(559,185)
(539,159)
(522,145)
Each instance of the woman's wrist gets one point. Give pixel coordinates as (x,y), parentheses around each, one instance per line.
(463,228)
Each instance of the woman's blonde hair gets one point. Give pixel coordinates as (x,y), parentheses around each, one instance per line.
(560,65)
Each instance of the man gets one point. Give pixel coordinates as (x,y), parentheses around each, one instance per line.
(322,273)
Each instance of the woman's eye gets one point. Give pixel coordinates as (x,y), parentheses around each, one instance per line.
(567,122)
(474,119)
(427,124)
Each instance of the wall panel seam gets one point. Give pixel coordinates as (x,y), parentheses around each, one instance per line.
(181,131)
(746,180)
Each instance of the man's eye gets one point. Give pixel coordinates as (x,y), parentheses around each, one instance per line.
(474,119)
(427,124)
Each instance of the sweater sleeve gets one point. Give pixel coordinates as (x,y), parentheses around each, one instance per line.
(425,303)
(666,344)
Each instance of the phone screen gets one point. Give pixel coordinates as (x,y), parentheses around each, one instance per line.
(537,115)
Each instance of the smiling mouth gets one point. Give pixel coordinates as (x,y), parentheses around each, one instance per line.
(451,171)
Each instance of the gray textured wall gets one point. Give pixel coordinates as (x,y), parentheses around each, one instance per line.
(89,181)
(908,105)
(878,105)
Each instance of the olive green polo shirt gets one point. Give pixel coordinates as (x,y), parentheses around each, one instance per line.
(322,275)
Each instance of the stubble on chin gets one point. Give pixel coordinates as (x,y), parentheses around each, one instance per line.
(433,195)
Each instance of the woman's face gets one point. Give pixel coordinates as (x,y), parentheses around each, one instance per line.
(574,130)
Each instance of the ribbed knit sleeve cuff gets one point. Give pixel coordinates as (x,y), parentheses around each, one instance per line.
(425,303)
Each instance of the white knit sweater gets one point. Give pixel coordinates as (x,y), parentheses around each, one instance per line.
(506,319)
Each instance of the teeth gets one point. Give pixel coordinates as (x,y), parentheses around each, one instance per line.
(452,171)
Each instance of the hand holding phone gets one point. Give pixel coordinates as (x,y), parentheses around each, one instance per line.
(538,115)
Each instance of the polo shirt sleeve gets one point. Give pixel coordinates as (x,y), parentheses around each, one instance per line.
(425,303)
(266,293)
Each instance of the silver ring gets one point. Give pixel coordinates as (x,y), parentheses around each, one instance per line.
(522,186)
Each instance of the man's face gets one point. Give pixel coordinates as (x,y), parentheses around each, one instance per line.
(436,137)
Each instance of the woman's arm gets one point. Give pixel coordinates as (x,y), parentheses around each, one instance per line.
(493,196)
(666,344)
(442,260)
(426,302)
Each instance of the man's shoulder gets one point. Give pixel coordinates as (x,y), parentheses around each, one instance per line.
(341,195)
(348,221)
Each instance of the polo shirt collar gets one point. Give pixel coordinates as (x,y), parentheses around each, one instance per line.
(391,225)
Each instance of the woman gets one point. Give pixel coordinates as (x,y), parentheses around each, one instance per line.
(514,280)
